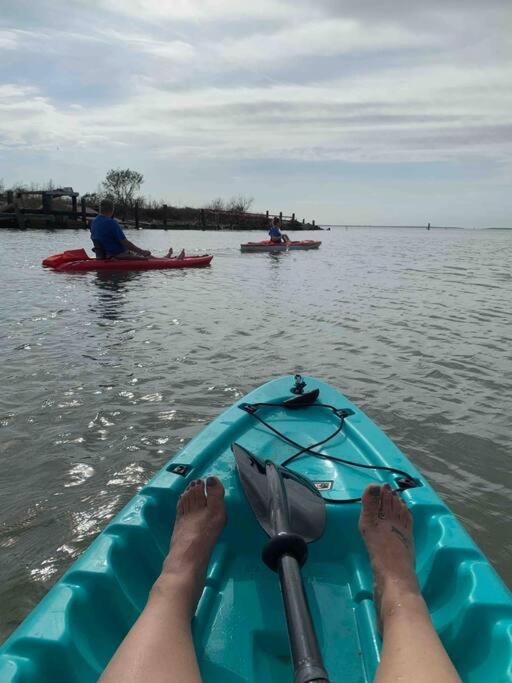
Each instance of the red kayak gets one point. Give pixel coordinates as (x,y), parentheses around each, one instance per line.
(77,260)
(270,246)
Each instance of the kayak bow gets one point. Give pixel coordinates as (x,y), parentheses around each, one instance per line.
(240,629)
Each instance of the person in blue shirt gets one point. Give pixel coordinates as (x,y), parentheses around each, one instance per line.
(275,233)
(108,238)
(110,241)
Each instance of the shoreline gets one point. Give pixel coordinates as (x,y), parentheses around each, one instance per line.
(50,226)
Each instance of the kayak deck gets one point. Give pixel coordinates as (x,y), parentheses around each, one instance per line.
(239,628)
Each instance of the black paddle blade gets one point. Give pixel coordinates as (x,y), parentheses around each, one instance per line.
(303,507)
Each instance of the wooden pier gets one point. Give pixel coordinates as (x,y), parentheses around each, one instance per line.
(14,212)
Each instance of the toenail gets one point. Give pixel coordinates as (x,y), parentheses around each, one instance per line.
(375,491)
(210,481)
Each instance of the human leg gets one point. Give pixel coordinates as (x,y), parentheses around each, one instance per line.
(411,649)
(159,647)
(126,255)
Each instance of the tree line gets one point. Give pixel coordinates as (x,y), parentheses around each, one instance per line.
(122,186)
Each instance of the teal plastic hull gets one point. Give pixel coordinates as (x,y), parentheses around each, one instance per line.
(239,628)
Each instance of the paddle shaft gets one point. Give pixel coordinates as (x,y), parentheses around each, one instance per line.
(283,552)
(307,660)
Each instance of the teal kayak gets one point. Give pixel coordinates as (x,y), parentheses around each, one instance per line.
(239,628)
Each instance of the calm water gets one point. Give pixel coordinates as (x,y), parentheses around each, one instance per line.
(104,377)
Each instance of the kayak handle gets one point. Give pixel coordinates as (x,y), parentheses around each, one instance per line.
(307,660)
(298,387)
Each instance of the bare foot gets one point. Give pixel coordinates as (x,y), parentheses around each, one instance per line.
(386,526)
(200,517)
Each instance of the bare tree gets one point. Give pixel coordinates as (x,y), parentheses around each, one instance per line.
(92,199)
(239,204)
(122,184)
(216,205)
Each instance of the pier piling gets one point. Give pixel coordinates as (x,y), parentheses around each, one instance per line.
(83,211)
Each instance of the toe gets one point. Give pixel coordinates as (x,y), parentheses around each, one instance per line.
(387,501)
(179,507)
(371,500)
(185,500)
(405,514)
(199,495)
(401,506)
(215,491)
(395,505)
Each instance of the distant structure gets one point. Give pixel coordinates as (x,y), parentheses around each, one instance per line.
(23,210)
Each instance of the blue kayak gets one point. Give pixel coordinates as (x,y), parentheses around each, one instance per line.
(239,627)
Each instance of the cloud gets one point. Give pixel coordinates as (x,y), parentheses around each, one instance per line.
(199,10)
(325,38)
(173,50)
(8,40)
(349,118)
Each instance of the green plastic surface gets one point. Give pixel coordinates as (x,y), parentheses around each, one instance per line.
(239,628)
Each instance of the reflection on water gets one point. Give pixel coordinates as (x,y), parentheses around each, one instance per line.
(106,375)
(112,287)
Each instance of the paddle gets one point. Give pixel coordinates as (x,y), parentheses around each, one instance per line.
(292,513)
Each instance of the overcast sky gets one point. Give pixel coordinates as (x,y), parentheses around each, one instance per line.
(356,111)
